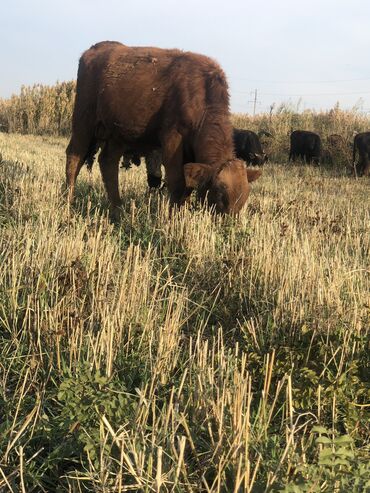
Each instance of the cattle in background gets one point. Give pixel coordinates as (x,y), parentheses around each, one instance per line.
(248,147)
(361,144)
(153,163)
(305,145)
(146,98)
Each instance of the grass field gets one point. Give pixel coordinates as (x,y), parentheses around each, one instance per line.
(182,353)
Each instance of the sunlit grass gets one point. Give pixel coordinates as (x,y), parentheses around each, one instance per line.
(180,352)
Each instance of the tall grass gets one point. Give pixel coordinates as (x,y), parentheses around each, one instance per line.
(39,110)
(47,110)
(181,352)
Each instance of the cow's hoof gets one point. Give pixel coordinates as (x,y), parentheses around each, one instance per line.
(115,214)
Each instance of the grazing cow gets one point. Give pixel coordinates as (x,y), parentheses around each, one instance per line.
(148,98)
(305,145)
(362,145)
(248,147)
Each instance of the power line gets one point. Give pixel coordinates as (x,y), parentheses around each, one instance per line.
(238,98)
(298,81)
(318,94)
(254,101)
(305,94)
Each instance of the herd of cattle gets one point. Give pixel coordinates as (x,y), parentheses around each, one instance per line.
(171,107)
(307,146)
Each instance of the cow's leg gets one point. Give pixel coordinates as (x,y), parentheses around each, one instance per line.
(172,147)
(153,161)
(75,158)
(366,167)
(81,148)
(357,164)
(362,167)
(109,167)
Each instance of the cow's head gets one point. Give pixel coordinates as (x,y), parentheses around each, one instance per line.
(226,188)
(258,159)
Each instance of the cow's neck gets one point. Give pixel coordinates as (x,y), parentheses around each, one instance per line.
(214,139)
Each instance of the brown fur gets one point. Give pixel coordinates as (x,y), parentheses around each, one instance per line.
(145,98)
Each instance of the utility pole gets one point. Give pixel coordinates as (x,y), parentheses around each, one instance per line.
(254,101)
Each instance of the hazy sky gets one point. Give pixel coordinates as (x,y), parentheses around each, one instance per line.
(286,49)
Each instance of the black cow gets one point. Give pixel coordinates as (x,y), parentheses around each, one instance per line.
(305,145)
(248,147)
(153,162)
(362,145)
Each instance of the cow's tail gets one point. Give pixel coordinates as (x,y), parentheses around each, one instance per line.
(84,140)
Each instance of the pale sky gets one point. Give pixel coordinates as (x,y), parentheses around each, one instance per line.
(289,50)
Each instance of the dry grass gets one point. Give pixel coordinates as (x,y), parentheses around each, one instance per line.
(188,353)
(39,109)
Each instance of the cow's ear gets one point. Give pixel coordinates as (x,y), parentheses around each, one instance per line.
(253,174)
(196,174)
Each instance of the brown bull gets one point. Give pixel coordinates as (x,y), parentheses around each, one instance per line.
(146,98)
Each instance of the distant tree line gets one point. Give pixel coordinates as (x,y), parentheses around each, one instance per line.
(39,109)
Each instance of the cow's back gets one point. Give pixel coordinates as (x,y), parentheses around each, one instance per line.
(304,140)
(134,90)
(362,141)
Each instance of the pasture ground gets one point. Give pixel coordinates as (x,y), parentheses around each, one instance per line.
(184,353)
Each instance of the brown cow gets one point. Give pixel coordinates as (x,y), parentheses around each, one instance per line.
(146,98)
